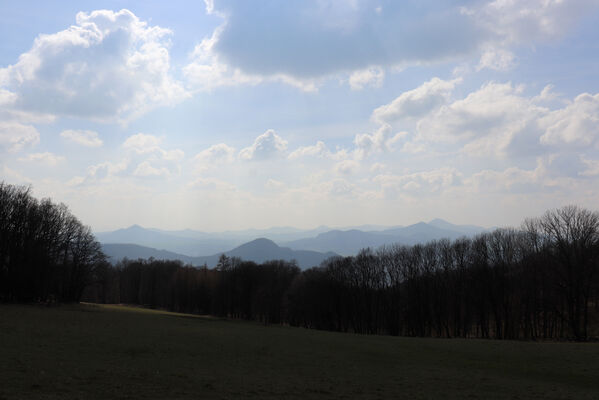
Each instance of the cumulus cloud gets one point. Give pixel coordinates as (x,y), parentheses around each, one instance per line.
(487,121)
(576,124)
(145,169)
(374,77)
(109,66)
(107,169)
(513,179)
(417,102)
(436,180)
(206,72)
(46,158)
(339,188)
(497,59)
(319,150)
(104,171)
(218,153)
(82,137)
(380,141)
(215,155)
(347,167)
(377,168)
(500,120)
(320,38)
(513,21)
(142,143)
(15,136)
(268,145)
(155,161)
(592,167)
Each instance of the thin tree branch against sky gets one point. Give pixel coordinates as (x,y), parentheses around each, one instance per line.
(226,114)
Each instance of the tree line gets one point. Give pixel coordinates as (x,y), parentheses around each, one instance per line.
(46,254)
(540,281)
(537,282)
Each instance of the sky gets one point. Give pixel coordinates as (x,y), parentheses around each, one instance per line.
(219,114)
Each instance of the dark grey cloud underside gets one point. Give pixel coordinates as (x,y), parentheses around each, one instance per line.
(295,37)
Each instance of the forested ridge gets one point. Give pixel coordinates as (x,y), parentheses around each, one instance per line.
(46,253)
(536,282)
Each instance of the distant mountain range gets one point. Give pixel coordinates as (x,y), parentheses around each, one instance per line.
(258,250)
(193,246)
(349,242)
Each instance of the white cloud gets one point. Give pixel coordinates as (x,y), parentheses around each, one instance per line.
(432,181)
(102,172)
(47,158)
(373,77)
(273,184)
(215,155)
(145,169)
(377,168)
(417,102)
(142,143)
(576,124)
(339,188)
(318,150)
(512,179)
(106,169)
(497,59)
(499,120)
(108,66)
(347,167)
(488,121)
(15,136)
(152,159)
(514,21)
(380,141)
(592,167)
(206,71)
(83,137)
(268,145)
(218,154)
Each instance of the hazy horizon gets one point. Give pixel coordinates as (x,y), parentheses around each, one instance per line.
(283,227)
(224,115)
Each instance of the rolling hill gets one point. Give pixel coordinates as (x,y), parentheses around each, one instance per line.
(258,250)
(194,244)
(349,242)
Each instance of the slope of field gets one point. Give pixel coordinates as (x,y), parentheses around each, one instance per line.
(99,352)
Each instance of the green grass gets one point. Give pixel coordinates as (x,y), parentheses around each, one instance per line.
(101,352)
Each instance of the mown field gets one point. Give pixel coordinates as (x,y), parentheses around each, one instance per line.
(100,352)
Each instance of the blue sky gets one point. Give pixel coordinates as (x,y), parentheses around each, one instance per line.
(226,114)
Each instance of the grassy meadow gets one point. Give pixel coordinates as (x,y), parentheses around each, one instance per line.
(99,352)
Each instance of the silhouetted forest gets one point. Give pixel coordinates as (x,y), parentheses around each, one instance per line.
(46,254)
(537,282)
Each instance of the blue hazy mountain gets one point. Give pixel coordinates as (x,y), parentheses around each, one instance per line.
(258,250)
(347,241)
(174,242)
